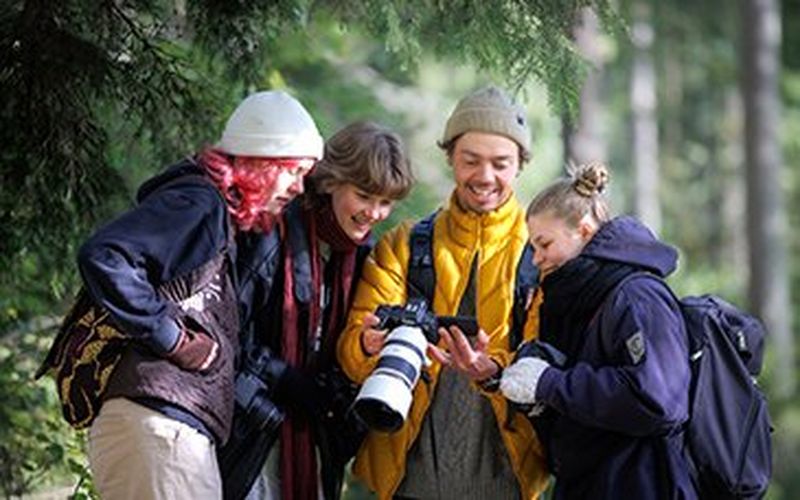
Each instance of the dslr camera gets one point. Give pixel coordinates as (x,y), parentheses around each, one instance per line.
(416,313)
(256,423)
(386,395)
(253,391)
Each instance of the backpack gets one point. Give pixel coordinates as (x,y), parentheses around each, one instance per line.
(421,280)
(728,434)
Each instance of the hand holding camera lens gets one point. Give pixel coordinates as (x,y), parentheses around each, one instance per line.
(372,336)
(402,336)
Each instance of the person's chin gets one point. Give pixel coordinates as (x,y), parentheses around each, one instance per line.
(358,232)
(275,207)
(484,206)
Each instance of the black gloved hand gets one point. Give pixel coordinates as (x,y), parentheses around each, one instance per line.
(194,351)
(300,391)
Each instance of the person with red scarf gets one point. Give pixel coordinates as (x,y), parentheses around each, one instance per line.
(324,236)
(164,272)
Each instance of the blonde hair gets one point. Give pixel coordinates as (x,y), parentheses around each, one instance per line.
(572,197)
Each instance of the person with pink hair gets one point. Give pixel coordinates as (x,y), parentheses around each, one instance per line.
(165,272)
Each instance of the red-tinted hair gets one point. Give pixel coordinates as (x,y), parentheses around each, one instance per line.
(245,186)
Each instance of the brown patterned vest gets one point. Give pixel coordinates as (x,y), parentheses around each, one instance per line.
(210,304)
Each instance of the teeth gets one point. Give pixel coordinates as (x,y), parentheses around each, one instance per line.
(481,192)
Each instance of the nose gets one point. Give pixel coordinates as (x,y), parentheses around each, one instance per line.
(484,172)
(377,212)
(297,187)
(538,258)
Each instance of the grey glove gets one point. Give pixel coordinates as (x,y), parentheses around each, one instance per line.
(520,380)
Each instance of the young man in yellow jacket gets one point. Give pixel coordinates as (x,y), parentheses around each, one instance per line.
(455,442)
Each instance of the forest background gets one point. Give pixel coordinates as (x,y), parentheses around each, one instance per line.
(695,105)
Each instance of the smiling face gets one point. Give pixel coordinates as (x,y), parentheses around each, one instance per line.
(357,211)
(484,166)
(556,242)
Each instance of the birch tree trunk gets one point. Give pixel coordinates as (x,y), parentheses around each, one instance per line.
(583,140)
(644,127)
(766,217)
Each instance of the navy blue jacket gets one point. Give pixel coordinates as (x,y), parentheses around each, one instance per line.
(171,231)
(613,427)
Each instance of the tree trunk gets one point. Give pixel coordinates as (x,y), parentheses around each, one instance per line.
(583,140)
(733,205)
(766,217)
(644,131)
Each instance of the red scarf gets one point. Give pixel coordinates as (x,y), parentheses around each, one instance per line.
(298,464)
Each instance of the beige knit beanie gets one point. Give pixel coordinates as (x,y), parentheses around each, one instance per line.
(489,110)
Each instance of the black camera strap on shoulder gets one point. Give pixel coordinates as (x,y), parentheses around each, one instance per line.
(421,278)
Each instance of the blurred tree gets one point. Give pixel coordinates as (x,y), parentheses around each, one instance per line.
(766,216)
(584,140)
(644,122)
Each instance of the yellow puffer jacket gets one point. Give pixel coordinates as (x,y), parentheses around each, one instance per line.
(497,239)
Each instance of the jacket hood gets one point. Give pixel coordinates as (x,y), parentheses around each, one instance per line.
(183,168)
(628,241)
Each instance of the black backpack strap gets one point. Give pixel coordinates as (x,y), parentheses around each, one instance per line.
(527,279)
(421,278)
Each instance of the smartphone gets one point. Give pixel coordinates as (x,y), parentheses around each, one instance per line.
(467,324)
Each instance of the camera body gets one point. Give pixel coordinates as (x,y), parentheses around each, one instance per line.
(253,390)
(414,313)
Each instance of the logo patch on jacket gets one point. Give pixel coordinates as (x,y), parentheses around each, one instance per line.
(635,345)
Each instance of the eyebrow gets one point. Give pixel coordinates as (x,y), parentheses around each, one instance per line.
(493,158)
(539,239)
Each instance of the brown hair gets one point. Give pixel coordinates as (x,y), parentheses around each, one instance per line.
(367,155)
(572,197)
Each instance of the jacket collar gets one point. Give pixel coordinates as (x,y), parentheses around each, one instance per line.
(467,228)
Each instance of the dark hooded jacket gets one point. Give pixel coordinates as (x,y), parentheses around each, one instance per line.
(613,428)
(167,262)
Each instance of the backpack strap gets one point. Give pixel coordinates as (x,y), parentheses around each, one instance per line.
(421,277)
(526,281)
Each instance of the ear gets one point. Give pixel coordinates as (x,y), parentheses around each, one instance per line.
(587,227)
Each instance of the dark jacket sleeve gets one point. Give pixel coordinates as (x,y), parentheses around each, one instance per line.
(172,231)
(644,388)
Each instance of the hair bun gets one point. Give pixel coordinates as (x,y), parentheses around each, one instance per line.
(590,179)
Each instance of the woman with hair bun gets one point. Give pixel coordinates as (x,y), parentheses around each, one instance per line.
(611,417)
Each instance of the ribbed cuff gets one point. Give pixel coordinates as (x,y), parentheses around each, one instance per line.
(165,339)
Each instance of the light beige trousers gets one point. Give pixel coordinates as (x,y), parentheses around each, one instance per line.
(136,453)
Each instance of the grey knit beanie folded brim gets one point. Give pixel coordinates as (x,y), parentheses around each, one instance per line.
(489,110)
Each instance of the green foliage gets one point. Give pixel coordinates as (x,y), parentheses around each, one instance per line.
(63,65)
(36,446)
(521,41)
(96,96)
